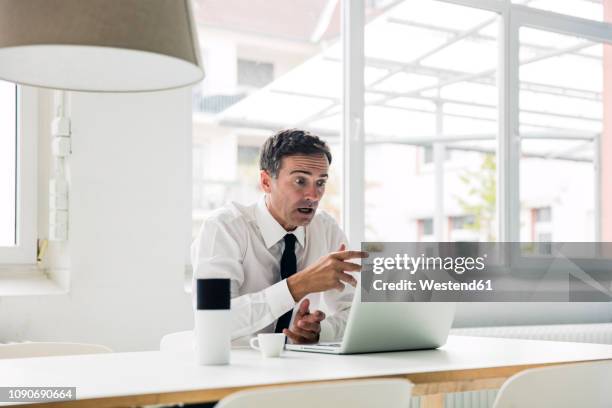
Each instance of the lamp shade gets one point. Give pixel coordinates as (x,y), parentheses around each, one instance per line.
(99,45)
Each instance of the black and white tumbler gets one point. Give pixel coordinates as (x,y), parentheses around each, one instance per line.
(212,321)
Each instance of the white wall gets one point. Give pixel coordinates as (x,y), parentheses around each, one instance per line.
(130,213)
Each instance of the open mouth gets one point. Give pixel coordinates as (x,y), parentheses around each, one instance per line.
(306,210)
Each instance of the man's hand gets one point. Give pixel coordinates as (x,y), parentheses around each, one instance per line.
(306,326)
(327,273)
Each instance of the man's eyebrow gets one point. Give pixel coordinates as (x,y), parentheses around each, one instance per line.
(308,172)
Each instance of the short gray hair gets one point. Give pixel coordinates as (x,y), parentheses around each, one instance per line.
(290,142)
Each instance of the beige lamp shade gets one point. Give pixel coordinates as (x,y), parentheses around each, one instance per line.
(99,45)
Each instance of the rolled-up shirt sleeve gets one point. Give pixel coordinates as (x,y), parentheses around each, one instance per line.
(218,252)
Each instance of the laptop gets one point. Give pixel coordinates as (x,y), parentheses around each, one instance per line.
(389,326)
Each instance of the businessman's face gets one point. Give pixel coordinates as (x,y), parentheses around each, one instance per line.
(294,195)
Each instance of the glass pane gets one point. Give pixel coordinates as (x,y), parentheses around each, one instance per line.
(266,69)
(590,9)
(8,157)
(431,123)
(562,103)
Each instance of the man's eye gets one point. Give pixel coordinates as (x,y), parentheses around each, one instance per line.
(300,181)
(321,183)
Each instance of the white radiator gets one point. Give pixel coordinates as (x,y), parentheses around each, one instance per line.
(580,333)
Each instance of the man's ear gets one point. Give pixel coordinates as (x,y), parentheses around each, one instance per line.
(265,181)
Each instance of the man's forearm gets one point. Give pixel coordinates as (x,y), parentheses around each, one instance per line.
(297,287)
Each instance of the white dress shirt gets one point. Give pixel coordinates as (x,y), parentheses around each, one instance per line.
(245,244)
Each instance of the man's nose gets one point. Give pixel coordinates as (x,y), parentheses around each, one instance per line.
(313,194)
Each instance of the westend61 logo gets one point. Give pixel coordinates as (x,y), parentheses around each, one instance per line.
(487,272)
(412,264)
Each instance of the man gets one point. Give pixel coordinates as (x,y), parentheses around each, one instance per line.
(281,253)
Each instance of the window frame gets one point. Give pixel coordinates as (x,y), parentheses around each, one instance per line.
(25,250)
(512,18)
(596,31)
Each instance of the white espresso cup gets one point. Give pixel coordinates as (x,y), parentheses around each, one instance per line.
(270,344)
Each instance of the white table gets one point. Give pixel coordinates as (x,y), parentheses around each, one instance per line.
(136,378)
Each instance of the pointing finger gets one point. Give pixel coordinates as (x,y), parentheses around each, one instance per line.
(351,255)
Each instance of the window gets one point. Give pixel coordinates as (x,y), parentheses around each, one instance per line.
(443,133)
(8,163)
(540,225)
(278,76)
(544,237)
(561,102)
(430,90)
(462,222)
(18,122)
(428,155)
(426,228)
(254,73)
(542,214)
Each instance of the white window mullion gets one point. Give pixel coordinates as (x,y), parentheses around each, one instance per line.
(27,198)
(439,153)
(508,150)
(597,157)
(494,5)
(24,252)
(353,203)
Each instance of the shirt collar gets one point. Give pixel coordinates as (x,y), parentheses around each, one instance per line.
(271,230)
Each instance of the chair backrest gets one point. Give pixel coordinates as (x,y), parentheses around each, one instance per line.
(560,386)
(388,393)
(179,341)
(45,349)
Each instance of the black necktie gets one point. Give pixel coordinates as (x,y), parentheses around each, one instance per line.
(288,266)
